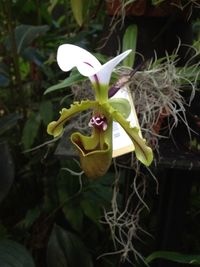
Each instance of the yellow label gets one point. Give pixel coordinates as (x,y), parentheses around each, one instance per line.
(122,143)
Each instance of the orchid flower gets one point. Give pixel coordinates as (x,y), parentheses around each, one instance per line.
(96,150)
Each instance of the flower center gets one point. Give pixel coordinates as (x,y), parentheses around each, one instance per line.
(99,122)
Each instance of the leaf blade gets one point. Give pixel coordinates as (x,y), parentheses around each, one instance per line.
(13,254)
(72,79)
(30,130)
(66,249)
(175,257)
(129,42)
(77,9)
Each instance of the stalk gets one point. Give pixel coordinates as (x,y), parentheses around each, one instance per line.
(18,94)
(38,12)
(15,56)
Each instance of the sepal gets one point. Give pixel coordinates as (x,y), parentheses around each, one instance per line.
(121,105)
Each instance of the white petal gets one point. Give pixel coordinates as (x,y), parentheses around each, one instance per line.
(69,56)
(105,71)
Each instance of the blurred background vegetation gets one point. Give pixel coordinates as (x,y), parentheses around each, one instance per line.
(50,213)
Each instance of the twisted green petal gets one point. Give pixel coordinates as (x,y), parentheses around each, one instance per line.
(142,151)
(55,128)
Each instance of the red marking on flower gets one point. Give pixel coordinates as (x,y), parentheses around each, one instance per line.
(95,76)
(99,122)
(88,64)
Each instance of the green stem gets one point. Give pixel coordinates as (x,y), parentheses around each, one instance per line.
(101,92)
(66,6)
(38,12)
(17,83)
(15,56)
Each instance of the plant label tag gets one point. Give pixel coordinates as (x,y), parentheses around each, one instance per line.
(122,143)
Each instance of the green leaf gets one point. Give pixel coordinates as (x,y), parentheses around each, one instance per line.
(72,79)
(24,68)
(31,216)
(91,210)
(99,193)
(129,42)
(68,184)
(25,35)
(156,2)
(65,249)
(74,215)
(77,9)
(175,257)
(30,130)
(9,121)
(31,54)
(46,111)
(52,5)
(13,254)
(69,195)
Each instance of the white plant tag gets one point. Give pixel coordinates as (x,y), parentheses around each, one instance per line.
(122,143)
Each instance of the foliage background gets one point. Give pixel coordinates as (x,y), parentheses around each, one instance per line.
(50,214)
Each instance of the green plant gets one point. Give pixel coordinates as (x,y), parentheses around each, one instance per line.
(49,209)
(174,257)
